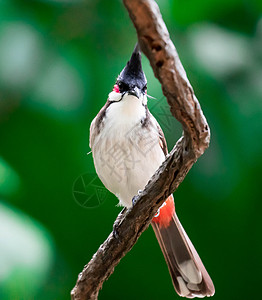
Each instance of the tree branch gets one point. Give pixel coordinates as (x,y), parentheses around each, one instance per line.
(156,44)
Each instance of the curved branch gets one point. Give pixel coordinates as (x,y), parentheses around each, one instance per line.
(156,44)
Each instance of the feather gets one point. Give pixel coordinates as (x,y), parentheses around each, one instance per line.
(187,271)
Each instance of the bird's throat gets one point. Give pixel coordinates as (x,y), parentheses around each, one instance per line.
(128,111)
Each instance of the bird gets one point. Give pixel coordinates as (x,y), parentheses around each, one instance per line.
(128,146)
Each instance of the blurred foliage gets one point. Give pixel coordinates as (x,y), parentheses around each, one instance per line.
(58,61)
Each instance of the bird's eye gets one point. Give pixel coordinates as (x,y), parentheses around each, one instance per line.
(123,87)
(144,89)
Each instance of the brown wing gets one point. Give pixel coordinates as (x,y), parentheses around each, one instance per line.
(97,123)
(162,140)
(150,120)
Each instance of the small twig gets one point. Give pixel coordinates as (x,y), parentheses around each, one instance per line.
(156,44)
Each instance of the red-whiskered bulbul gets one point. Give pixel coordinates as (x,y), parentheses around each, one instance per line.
(128,146)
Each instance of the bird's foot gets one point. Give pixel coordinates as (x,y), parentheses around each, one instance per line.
(134,199)
(115,231)
(117,223)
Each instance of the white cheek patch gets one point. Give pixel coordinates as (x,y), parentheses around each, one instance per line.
(114,96)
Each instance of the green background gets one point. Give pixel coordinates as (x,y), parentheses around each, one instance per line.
(58,62)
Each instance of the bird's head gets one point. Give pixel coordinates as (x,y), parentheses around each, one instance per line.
(131,81)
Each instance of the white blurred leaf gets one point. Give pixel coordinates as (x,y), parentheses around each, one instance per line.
(219,51)
(21,55)
(25,253)
(60,87)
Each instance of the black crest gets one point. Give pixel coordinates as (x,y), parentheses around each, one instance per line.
(132,75)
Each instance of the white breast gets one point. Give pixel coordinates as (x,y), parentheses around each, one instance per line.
(125,153)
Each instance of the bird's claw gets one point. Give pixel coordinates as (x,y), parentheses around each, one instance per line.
(134,199)
(115,231)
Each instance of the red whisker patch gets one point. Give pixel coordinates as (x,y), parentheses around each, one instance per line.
(116,88)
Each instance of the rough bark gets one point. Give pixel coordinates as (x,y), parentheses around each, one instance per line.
(155,42)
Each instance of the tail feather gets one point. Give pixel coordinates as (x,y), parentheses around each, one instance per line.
(187,271)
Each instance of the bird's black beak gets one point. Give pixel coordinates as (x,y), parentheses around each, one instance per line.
(135,92)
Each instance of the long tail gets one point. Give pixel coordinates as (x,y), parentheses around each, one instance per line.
(187,271)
